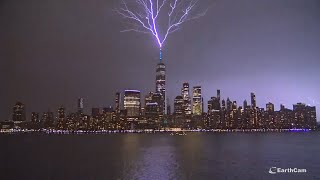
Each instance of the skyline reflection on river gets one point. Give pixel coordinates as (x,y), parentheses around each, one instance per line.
(159,156)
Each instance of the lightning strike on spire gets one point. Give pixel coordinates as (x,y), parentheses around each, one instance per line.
(145,18)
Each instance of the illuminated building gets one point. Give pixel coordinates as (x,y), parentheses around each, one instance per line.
(214,104)
(178,112)
(210,105)
(19,112)
(186,98)
(48,119)
(223,103)
(35,117)
(61,113)
(80,105)
(61,117)
(161,84)
(254,115)
(107,113)
(148,98)
(270,107)
(132,102)
(158,98)
(118,101)
(234,105)
(179,105)
(197,101)
(304,116)
(151,110)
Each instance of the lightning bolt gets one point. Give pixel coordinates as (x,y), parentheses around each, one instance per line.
(145,18)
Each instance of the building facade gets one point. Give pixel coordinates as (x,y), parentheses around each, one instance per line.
(197,108)
(132,102)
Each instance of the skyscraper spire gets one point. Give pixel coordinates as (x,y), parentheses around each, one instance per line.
(160,55)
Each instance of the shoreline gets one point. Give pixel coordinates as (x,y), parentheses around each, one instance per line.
(148,131)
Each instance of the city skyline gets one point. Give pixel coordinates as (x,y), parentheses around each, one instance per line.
(138,101)
(49,58)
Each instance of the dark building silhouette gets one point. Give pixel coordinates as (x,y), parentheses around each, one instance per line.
(118,102)
(95,112)
(80,105)
(19,112)
(35,117)
(253,100)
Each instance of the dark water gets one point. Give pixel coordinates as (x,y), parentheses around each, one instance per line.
(159,156)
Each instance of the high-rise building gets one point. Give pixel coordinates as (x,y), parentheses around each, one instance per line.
(61,113)
(179,105)
(186,98)
(132,102)
(197,101)
(304,116)
(80,105)
(34,117)
(210,102)
(223,104)
(168,109)
(219,95)
(151,110)
(158,98)
(254,113)
(118,101)
(95,112)
(253,101)
(148,98)
(161,84)
(245,104)
(19,112)
(270,107)
(234,105)
(229,104)
(48,119)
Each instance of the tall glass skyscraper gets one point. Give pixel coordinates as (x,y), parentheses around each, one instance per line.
(197,101)
(132,102)
(186,98)
(161,83)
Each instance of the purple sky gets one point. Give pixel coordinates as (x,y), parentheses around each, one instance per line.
(53,52)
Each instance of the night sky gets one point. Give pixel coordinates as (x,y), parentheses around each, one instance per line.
(52,52)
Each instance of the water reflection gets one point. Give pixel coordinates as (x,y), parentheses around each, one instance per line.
(159,156)
(154,159)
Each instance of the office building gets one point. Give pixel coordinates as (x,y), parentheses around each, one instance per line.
(19,112)
(132,102)
(197,101)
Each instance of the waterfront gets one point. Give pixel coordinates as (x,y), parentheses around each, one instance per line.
(198,155)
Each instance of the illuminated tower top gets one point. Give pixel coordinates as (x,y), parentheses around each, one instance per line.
(160,55)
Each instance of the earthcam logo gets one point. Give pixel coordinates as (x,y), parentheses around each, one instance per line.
(275,170)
